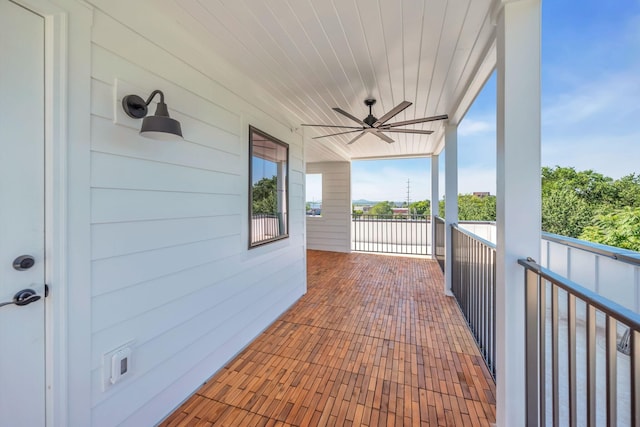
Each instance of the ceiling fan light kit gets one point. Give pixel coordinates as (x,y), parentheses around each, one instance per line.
(376,126)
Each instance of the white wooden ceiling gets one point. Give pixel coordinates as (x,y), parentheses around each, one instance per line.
(313,55)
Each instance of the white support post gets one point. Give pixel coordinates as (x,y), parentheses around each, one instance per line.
(435,200)
(451,198)
(518,194)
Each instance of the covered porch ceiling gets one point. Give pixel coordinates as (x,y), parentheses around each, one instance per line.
(311,56)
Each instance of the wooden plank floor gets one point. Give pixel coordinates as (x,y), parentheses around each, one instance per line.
(374,342)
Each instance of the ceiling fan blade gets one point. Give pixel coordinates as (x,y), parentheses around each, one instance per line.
(416,121)
(334,126)
(354,118)
(423,132)
(356,138)
(396,110)
(382,136)
(335,134)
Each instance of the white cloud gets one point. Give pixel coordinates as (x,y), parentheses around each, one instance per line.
(611,98)
(470,127)
(613,155)
(471,179)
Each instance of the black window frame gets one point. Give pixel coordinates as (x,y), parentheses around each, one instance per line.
(253,130)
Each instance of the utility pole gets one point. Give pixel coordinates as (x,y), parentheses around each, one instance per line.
(408,193)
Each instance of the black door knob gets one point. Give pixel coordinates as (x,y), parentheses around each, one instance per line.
(24,262)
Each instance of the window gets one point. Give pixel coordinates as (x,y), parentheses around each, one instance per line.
(268,184)
(314,194)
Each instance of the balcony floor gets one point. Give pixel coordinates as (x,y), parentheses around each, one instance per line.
(373,342)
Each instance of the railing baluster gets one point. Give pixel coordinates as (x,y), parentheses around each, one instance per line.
(635,378)
(532,350)
(591,366)
(571,309)
(542,355)
(612,373)
(493,314)
(554,354)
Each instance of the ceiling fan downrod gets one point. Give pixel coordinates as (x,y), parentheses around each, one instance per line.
(370,120)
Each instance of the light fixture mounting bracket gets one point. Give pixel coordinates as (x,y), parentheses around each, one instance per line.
(134,106)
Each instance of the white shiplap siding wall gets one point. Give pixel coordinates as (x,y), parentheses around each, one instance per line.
(170,266)
(332,231)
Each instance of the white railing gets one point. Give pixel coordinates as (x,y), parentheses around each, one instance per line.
(403,234)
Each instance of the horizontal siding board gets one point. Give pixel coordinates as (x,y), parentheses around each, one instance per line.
(132,205)
(336,230)
(320,221)
(137,174)
(123,238)
(123,272)
(143,296)
(120,140)
(330,240)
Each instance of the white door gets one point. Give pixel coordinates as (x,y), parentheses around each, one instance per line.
(22,234)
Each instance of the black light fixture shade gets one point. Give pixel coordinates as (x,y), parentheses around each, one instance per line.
(158,126)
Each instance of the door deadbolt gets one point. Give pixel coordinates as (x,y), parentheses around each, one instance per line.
(23,262)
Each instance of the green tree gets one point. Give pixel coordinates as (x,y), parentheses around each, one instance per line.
(420,208)
(620,228)
(264,196)
(628,191)
(382,208)
(565,213)
(473,208)
(590,186)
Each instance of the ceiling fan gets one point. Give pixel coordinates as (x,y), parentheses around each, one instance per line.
(377,126)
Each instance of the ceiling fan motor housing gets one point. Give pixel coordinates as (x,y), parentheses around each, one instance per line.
(370,120)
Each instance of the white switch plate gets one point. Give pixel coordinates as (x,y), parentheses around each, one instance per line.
(112,372)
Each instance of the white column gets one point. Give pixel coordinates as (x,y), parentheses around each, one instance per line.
(518,193)
(435,198)
(451,197)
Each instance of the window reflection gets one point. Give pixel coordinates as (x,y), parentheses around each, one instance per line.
(268,188)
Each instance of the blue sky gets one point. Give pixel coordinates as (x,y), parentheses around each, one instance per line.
(590,106)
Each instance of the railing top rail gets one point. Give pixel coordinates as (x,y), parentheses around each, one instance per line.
(619,254)
(474,236)
(397,217)
(472,222)
(437,218)
(601,303)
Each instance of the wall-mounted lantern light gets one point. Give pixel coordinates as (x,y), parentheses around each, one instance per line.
(158,126)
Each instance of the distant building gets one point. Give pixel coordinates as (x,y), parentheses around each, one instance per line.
(400,211)
(481,194)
